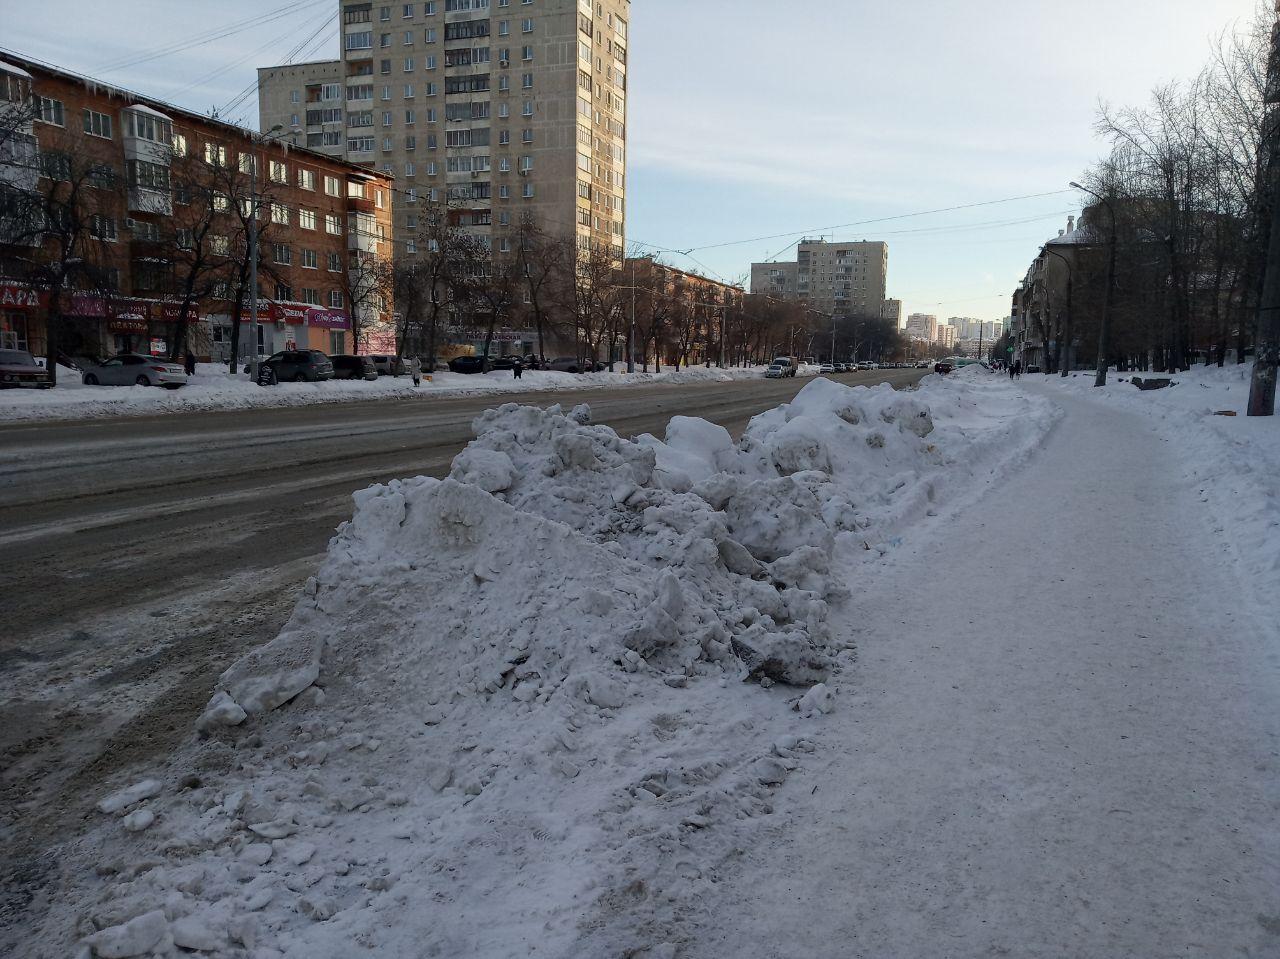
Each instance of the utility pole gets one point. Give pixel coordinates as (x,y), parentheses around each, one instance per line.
(1266,352)
(1104,329)
(631,335)
(252,254)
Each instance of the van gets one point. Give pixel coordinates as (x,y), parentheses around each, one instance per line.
(787,363)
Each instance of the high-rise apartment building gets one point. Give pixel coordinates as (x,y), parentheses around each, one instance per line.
(504,108)
(844,279)
(922,326)
(892,310)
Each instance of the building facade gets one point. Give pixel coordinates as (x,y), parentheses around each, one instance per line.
(696,310)
(892,310)
(166,197)
(922,326)
(839,279)
(504,109)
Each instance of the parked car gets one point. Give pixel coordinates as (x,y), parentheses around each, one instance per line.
(569,364)
(349,367)
(299,366)
(534,362)
(134,369)
(827,368)
(506,362)
(388,365)
(19,369)
(922,365)
(470,364)
(788,363)
(942,366)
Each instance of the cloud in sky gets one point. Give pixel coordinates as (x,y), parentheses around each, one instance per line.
(754,118)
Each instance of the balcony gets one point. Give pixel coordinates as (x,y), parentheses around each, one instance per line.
(146,200)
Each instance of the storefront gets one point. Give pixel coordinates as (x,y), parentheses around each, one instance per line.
(469,341)
(285,326)
(19,312)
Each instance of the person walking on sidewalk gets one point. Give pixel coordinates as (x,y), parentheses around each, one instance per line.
(414,366)
(189,363)
(517,368)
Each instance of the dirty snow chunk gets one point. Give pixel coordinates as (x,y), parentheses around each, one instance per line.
(257,853)
(190,933)
(127,797)
(603,691)
(788,658)
(910,414)
(769,772)
(491,470)
(221,711)
(819,699)
(138,820)
(133,938)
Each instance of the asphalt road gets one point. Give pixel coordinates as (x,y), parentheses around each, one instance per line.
(143,555)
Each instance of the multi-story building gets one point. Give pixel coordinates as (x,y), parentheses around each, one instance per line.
(308,101)
(841,279)
(506,109)
(946,337)
(892,310)
(922,326)
(774,279)
(159,189)
(696,309)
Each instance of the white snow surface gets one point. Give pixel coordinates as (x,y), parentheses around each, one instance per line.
(213,388)
(508,716)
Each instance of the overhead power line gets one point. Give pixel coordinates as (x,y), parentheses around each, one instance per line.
(218,33)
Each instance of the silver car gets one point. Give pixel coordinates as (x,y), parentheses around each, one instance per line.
(134,369)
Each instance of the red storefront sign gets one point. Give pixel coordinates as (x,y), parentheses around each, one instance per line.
(14,296)
(127,325)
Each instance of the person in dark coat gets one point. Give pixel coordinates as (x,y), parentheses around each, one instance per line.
(518,368)
(190,363)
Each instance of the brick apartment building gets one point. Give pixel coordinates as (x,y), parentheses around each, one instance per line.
(166,195)
(696,309)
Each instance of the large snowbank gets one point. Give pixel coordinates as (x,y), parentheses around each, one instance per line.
(212,388)
(1233,460)
(508,716)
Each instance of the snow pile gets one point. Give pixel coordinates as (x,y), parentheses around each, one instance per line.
(508,714)
(1233,461)
(212,388)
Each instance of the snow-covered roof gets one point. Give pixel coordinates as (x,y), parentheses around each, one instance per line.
(10,68)
(143,108)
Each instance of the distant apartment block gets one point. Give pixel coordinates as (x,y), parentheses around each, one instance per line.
(892,310)
(502,107)
(922,326)
(844,279)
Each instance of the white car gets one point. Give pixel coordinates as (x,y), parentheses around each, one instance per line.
(134,369)
(826,368)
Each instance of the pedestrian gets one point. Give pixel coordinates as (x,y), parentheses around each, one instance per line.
(517,368)
(190,363)
(415,370)
(1017,369)
(1009,367)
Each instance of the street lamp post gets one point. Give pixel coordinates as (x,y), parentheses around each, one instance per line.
(1104,331)
(253,252)
(1066,334)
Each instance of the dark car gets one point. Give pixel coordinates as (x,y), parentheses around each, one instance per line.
(19,369)
(534,362)
(507,362)
(388,365)
(942,367)
(299,366)
(348,367)
(470,364)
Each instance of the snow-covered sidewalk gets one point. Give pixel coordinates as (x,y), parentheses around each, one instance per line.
(212,388)
(1062,739)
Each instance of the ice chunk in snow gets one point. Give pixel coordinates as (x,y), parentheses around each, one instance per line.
(491,470)
(133,938)
(130,795)
(819,699)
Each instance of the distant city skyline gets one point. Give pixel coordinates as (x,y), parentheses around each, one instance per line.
(1002,107)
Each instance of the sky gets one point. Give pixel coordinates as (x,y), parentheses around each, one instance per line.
(752,119)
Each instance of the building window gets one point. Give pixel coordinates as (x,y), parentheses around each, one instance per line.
(528,191)
(307,219)
(219,244)
(310,260)
(282,254)
(97,124)
(51,111)
(408,11)
(307,179)
(526,81)
(504,137)
(284,291)
(280,214)
(333,224)
(526,136)
(335,299)
(335,262)
(360,41)
(279,172)
(104,227)
(310,296)
(526,25)
(332,186)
